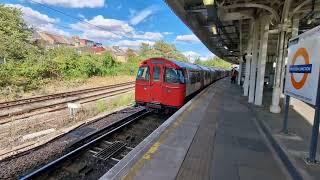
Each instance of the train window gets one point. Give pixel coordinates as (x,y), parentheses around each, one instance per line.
(193,77)
(156,73)
(174,76)
(143,73)
(198,77)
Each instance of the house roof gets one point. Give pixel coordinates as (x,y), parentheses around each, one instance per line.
(116,50)
(52,38)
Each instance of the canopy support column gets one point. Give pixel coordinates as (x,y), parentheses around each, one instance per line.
(240,56)
(254,60)
(248,63)
(247,75)
(264,30)
(275,108)
(295,26)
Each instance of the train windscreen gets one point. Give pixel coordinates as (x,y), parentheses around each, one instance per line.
(143,73)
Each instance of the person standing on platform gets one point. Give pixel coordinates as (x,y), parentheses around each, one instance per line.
(234,74)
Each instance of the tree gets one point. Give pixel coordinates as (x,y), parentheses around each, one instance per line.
(215,62)
(15,41)
(144,48)
(197,61)
(162,49)
(130,52)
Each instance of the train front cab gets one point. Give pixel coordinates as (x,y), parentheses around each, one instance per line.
(160,84)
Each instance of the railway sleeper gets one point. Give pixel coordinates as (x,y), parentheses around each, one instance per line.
(111,150)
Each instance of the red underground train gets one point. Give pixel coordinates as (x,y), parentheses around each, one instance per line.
(163,83)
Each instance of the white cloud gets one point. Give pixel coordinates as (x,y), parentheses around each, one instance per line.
(33,17)
(103,29)
(194,55)
(191,55)
(39,21)
(167,33)
(187,38)
(149,36)
(74,3)
(135,44)
(52,29)
(142,15)
(106,29)
(98,35)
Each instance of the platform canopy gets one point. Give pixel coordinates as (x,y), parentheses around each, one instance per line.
(225,26)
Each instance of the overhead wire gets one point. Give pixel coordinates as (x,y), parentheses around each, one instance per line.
(59,25)
(75,18)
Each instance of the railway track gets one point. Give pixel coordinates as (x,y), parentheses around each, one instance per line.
(80,96)
(24,101)
(95,154)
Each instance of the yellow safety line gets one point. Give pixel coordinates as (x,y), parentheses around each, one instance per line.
(154,148)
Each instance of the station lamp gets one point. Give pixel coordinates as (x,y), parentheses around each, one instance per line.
(214,29)
(225,47)
(208,2)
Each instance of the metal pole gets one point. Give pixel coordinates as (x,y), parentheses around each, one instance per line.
(286,112)
(315,129)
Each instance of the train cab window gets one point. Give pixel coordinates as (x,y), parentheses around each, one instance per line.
(156,74)
(143,73)
(174,76)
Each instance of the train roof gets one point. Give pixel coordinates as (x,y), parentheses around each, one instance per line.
(205,68)
(186,65)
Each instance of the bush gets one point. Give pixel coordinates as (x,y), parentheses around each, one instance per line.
(62,63)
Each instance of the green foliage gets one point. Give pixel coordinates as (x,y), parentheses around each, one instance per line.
(101,106)
(116,102)
(15,36)
(214,62)
(162,49)
(60,62)
(131,66)
(119,101)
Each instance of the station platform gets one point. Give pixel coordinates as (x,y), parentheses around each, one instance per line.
(214,136)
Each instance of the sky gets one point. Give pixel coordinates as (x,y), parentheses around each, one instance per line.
(126,23)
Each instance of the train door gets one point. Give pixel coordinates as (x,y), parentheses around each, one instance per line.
(142,92)
(156,83)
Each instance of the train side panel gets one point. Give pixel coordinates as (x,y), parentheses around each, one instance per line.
(173,95)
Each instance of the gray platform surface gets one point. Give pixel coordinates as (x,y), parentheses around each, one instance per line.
(214,137)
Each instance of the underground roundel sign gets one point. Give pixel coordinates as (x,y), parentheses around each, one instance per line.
(303,66)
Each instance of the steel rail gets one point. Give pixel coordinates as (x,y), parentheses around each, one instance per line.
(6,115)
(60,107)
(35,99)
(110,129)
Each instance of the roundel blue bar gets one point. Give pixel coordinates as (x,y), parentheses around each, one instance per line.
(304,68)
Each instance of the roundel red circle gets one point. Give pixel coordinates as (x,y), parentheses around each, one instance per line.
(300,52)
